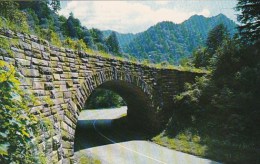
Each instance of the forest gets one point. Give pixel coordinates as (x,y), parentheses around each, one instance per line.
(216,117)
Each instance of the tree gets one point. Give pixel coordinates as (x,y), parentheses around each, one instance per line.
(102,98)
(112,43)
(86,36)
(7,8)
(203,57)
(74,27)
(13,16)
(18,125)
(97,35)
(216,37)
(55,4)
(250,19)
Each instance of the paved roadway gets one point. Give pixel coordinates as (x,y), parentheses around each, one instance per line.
(97,138)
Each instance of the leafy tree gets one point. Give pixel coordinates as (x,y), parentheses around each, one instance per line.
(8,8)
(249,17)
(102,98)
(72,26)
(87,38)
(97,35)
(18,125)
(203,57)
(55,4)
(216,37)
(14,17)
(112,43)
(98,39)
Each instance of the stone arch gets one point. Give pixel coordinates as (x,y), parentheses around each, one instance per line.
(140,104)
(108,75)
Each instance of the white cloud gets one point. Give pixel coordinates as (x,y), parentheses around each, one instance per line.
(126,16)
(205,12)
(161,2)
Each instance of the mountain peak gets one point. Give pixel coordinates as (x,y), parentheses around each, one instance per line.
(197,16)
(167,41)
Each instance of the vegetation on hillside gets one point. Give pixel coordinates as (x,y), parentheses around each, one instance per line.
(19,126)
(167,41)
(40,18)
(218,116)
(102,98)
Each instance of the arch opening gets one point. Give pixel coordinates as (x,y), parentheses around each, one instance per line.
(104,98)
(91,123)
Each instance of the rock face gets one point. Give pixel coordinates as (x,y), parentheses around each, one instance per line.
(63,80)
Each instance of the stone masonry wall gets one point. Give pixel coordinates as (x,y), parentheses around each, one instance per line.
(63,79)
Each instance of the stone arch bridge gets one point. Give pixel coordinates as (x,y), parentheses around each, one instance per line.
(63,80)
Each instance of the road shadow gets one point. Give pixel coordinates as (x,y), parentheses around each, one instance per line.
(87,137)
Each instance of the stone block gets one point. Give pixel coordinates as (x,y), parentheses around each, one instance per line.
(67,95)
(63,88)
(74,75)
(30,72)
(28,53)
(54,157)
(22,62)
(67,75)
(40,62)
(71,60)
(48,78)
(56,77)
(66,160)
(70,55)
(16,50)
(84,60)
(46,70)
(56,142)
(3,52)
(54,64)
(48,86)
(66,144)
(64,106)
(45,55)
(19,55)
(39,92)
(66,69)
(37,46)
(54,53)
(62,59)
(54,58)
(25,45)
(38,85)
(69,84)
(75,81)
(60,82)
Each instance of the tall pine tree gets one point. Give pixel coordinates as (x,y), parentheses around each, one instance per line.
(112,44)
(249,19)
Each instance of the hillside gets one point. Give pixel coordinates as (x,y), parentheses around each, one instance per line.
(167,41)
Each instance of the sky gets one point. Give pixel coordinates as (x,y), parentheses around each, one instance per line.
(137,16)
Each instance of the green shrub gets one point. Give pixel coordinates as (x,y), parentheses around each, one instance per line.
(18,125)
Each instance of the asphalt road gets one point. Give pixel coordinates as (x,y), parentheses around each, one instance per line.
(95,136)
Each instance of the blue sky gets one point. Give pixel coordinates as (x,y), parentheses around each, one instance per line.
(137,16)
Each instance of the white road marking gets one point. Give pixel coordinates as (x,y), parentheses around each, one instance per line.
(101,134)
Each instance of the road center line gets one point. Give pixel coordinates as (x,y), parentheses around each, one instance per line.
(101,134)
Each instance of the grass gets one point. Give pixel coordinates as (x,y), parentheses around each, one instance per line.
(87,159)
(215,149)
(182,142)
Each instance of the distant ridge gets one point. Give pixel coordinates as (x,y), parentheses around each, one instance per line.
(168,41)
